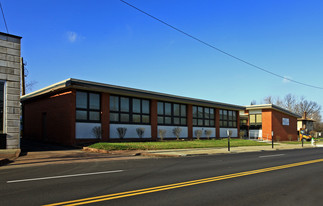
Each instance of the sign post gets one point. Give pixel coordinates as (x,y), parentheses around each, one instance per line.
(272,139)
(229,133)
(302,142)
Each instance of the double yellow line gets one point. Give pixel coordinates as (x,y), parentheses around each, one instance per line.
(178,185)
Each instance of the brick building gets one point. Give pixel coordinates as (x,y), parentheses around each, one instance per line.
(267,118)
(10,71)
(70,111)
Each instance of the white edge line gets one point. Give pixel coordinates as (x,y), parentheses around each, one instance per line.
(271,155)
(64,176)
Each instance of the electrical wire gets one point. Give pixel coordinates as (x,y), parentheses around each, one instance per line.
(220,50)
(4,19)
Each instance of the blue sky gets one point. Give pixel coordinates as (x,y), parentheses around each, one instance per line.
(110,42)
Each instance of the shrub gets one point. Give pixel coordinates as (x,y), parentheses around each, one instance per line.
(97,132)
(208,133)
(161,133)
(140,131)
(198,133)
(122,132)
(177,131)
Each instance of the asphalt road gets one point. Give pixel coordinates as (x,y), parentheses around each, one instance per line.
(234,179)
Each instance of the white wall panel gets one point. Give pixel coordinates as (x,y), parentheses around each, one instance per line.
(223,132)
(131,131)
(203,131)
(169,131)
(83,130)
(255,133)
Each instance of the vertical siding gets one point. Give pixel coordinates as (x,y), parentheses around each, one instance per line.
(10,63)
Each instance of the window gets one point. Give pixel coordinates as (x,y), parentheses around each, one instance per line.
(255,121)
(203,116)
(171,113)
(243,122)
(129,110)
(88,107)
(228,118)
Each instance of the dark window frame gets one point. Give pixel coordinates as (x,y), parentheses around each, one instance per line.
(172,116)
(256,125)
(130,112)
(227,121)
(203,118)
(88,109)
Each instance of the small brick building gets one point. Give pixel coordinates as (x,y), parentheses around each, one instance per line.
(267,118)
(70,112)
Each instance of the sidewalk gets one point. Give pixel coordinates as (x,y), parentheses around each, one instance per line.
(214,151)
(36,158)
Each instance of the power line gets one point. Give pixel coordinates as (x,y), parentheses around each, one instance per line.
(4,19)
(219,50)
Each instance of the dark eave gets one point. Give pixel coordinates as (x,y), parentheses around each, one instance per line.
(118,90)
(272,106)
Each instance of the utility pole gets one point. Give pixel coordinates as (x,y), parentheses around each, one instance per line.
(23,85)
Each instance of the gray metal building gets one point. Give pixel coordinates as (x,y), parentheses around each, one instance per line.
(10,73)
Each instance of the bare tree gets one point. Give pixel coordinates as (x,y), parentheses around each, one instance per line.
(268,100)
(296,105)
(290,102)
(28,84)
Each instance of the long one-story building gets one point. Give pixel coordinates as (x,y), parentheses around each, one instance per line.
(75,111)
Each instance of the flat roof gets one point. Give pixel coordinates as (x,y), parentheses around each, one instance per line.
(119,90)
(10,37)
(306,119)
(272,106)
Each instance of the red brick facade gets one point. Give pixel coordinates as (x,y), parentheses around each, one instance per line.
(50,118)
(50,114)
(272,120)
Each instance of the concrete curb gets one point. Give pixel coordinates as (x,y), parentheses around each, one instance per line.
(148,154)
(115,152)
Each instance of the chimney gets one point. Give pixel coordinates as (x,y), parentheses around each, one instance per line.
(304,115)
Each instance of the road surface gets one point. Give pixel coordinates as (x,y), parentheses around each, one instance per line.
(293,177)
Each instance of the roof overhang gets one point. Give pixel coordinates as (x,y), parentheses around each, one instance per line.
(273,107)
(119,90)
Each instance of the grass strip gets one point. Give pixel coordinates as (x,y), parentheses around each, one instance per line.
(175,144)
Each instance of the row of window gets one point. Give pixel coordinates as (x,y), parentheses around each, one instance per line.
(130,110)
(171,113)
(203,116)
(228,118)
(255,121)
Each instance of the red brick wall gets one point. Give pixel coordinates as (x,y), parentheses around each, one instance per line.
(60,118)
(153,119)
(266,124)
(283,131)
(105,117)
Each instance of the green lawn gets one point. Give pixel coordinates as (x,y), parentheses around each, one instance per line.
(174,144)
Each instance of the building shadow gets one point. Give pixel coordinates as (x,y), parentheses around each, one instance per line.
(27,145)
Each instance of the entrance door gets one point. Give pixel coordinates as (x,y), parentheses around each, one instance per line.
(44,126)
